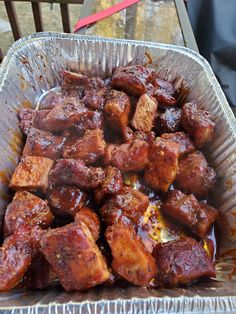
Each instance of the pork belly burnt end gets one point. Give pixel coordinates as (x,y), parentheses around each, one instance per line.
(168,121)
(128,205)
(51,100)
(93,100)
(74,172)
(186,145)
(91,220)
(163,164)
(181,262)
(117,110)
(145,113)
(186,209)
(25,117)
(15,258)
(131,260)
(198,123)
(111,185)
(32,173)
(127,157)
(26,208)
(195,175)
(73,83)
(89,148)
(164,93)
(133,79)
(66,200)
(74,256)
(43,144)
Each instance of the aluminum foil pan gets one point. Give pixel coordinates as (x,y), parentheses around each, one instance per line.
(33,66)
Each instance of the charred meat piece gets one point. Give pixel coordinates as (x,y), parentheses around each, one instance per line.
(117,110)
(89,148)
(25,117)
(186,145)
(181,262)
(64,116)
(168,121)
(111,185)
(128,205)
(15,258)
(73,84)
(91,220)
(198,123)
(89,121)
(132,79)
(39,117)
(131,260)
(51,100)
(164,93)
(128,134)
(26,208)
(74,172)
(128,157)
(66,200)
(32,173)
(186,209)
(145,113)
(195,175)
(74,256)
(148,137)
(93,100)
(43,144)
(94,84)
(163,164)
(40,274)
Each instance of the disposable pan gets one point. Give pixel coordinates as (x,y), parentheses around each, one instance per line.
(33,66)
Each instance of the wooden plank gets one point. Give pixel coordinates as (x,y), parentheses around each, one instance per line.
(1,55)
(65,17)
(11,12)
(85,11)
(37,13)
(189,39)
(50,1)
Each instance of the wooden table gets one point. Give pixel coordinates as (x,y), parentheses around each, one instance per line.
(149,20)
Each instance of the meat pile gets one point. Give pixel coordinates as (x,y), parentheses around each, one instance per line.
(75,219)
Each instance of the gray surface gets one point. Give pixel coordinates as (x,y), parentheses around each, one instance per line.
(32,66)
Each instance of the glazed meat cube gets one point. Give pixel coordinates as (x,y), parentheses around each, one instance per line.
(28,209)
(43,144)
(91,220)
(195,175)
(93,100)
(186,145)
(51,100)
(132,79)
(186,209)
(89,148)
(148,137)
(74,172)
(25,117)
(40,274)
(131,260)
(39,117)
(66,200)
(117,110)
(89,121)
(111,185)
(168,121)
(181,262)
(198,123)
(73,84)
(74,256)
(128,205)
(64,116)
(94,84)
(15,258)
(163,164)
(145,113)
(127,134)
(32,173)
(164,93)
(128,157)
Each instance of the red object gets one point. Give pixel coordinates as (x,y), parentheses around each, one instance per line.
(103,14)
